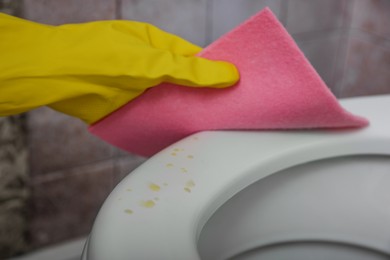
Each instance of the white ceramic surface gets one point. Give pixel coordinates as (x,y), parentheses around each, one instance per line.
(335,208)
(158,211)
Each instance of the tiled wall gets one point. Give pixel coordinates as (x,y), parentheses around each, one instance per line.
(347,41)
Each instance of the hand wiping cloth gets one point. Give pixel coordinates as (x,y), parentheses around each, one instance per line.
(278,89)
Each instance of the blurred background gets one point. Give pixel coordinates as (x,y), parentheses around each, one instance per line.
(54,175)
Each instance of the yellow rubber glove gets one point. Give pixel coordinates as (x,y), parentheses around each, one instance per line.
(89,70)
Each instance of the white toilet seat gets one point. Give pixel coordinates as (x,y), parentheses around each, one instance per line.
(157,211)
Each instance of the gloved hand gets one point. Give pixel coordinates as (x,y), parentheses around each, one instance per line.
(89,70)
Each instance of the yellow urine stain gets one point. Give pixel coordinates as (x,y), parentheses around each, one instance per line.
(173,154)
(190,184)
(190,157)
(154,187)
(195,138)
(129,190)
(183,170)
(129,211)
(148,204)
(169,165)
(165,184)
(176,150)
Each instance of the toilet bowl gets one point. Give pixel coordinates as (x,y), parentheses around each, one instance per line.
(321,194)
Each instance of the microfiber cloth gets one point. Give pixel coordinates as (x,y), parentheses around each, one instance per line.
(278,89)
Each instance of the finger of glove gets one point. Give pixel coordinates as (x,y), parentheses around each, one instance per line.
(156,38)
(200,72)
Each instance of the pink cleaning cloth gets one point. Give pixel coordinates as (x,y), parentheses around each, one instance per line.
(278,89)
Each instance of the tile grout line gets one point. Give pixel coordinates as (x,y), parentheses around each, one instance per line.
(314,35)
(376,37)
(58,174)
(284,13)
(345,53)
(118,9)
(341,52)
(209,22)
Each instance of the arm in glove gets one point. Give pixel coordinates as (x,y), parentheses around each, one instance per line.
(89,70)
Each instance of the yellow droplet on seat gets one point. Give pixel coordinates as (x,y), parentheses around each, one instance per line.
(154,187)
(148,204)
(129,211)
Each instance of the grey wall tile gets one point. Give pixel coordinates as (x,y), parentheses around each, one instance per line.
(7,130)
(367,67)
(13,197)
(64,206)
(314,15)
(12,228)
(126,164)
(185,18)
(69,11)
(12,7)
(372,16)
(12,128)
(322,52)
(58,142)
(227,14)
(13,186)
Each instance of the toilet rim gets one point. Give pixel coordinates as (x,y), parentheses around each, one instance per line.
(196,212)
(144,232)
